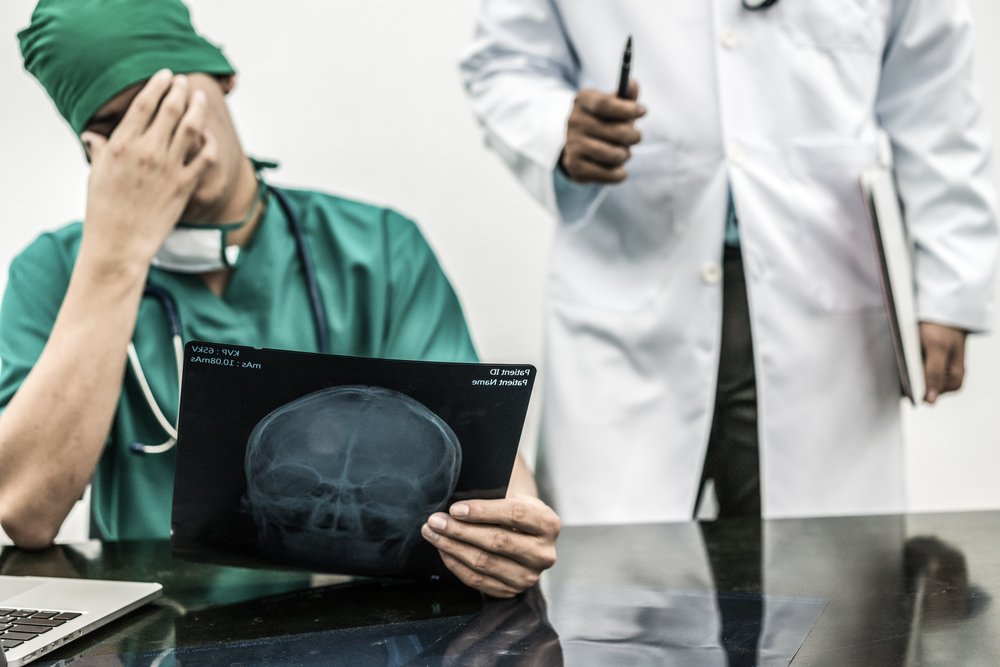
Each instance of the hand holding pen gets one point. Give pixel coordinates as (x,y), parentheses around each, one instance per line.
(601,130)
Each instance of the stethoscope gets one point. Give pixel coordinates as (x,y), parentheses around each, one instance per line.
(169,306)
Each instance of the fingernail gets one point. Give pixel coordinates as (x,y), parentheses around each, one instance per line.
(642,110)
(163,74)
(437,522)
(459,509)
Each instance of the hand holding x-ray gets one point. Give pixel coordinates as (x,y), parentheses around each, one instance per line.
(501,546)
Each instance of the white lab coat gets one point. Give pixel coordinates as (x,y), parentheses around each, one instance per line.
(784,107)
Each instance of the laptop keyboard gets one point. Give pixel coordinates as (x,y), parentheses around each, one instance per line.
(20,625)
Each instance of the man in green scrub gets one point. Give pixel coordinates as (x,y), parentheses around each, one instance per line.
(174,200)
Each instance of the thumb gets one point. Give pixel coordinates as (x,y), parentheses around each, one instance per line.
(633,94)
(935,365)
(93,144)
(633,90)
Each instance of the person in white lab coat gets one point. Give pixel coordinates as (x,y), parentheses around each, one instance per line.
(752,130)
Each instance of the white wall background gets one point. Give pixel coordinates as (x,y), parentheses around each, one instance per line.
(362,97)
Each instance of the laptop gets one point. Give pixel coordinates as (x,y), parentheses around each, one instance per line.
(39,614)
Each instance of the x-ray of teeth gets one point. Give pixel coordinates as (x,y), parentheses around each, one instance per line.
(348,475)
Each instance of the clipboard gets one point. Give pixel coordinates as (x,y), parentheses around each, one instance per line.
(894,259)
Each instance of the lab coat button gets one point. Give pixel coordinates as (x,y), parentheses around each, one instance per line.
(728,38)
(711,273)
(736,156)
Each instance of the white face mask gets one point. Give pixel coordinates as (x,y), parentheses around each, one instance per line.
(201,248)
(198,249)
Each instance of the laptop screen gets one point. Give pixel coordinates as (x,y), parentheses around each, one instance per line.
(332,463)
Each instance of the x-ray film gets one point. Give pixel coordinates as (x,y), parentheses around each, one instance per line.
(332,463)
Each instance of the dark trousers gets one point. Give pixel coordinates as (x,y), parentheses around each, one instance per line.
(732,461)
(739,591)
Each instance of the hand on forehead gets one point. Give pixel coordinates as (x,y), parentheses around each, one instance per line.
(107,118)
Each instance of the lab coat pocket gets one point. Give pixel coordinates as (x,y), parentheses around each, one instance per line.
(837,25)
(838,256)
(614,259)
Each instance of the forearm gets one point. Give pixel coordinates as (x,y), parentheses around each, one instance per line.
(53,431)
(142,178)
(931,106)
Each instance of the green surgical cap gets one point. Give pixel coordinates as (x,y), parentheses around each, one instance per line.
(84,52)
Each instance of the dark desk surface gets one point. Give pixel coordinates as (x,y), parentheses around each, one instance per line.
(914,590)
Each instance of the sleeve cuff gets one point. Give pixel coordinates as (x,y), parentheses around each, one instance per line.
(574,201)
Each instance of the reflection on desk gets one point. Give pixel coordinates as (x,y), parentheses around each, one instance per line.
(837,591)
(648,595)
(881,590)
(217,615)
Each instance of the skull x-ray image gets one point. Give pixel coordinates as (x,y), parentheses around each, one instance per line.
(347,475)
(332,463)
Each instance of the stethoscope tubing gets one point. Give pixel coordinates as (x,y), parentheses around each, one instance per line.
(169,305)
(308,271)
(757,5)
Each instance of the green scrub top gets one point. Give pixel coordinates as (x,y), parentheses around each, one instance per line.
(385,296)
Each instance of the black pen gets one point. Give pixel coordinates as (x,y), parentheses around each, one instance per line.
(626,72)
